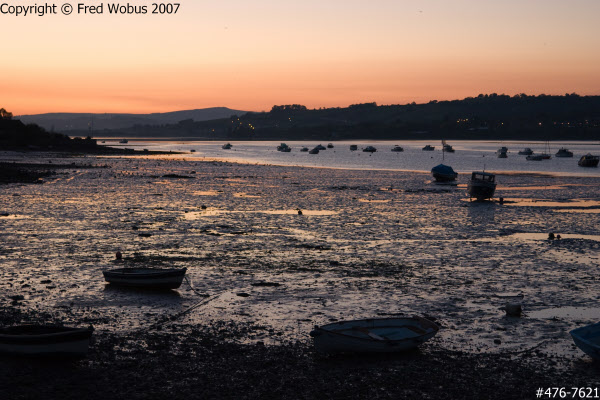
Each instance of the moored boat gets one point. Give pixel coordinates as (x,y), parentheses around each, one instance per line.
(227,146)
(384,335)
(320,147)
(562,152)
(150,278)
(587,338)
(330,146)
(314,151)
(447,148)
(124,141)
(526,152)
(369,149)
(45,340)
(304,149)
(443,173)
(482,185)
(284,148)
(397,148)
(502,154)
(534,157)
(428,148)
(588,161)
(353,147)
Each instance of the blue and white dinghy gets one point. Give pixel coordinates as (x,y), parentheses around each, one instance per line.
(587,338)
(385,335)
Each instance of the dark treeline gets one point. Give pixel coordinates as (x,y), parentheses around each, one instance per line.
(15,135)
(493,116)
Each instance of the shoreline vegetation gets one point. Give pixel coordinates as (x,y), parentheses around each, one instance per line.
(484,117)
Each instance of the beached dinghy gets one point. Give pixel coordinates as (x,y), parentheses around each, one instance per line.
(373,335)
(587,338)
(45,340)
(149,278)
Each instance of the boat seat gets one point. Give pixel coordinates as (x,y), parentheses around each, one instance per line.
(369,333)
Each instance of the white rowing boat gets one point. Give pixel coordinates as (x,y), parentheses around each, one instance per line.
(384,335)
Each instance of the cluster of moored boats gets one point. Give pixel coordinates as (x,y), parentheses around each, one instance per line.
(587,160)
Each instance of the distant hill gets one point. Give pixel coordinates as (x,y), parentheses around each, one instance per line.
(485,117)
(65,122)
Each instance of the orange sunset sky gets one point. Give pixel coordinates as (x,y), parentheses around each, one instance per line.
(250,55)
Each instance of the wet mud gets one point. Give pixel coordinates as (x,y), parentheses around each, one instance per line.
(272,251)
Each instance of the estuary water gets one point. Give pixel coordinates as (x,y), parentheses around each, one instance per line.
(468,156)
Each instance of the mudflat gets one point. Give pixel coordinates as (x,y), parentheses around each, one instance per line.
(261,275)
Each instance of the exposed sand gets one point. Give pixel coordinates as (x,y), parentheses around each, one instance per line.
(368,244)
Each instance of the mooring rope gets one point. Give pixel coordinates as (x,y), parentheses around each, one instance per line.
(194,306)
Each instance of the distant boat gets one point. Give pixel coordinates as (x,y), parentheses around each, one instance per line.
(482,185)
(443,173)
(330,146)
(587,338)
(321,147)
(45,340)
(124,141)
(353,147)
(227,146)
(284,148)
(526,152)
(562,152)
(387,335)
(104,141)
(397,148)
(314,151)
(369,149)
(304,149)
(588,161)
(535,157)
(546,154)
(150,278)
(428,148)
(447,148)
(192,151)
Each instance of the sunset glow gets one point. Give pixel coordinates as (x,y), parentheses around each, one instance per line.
(251,55)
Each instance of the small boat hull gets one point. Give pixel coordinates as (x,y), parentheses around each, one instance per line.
(148,278)
(388,335)
(482,185)
(587,338)
(45,340)
(589,161)
(443,173)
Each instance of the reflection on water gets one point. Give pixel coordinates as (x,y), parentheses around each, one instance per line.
(550,203)
(469,156)
(580,211)
(566,313)
(193,215)
(544,236)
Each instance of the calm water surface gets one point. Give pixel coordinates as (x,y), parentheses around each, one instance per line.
(469,155)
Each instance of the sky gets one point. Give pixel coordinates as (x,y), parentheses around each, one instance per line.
(250,55)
